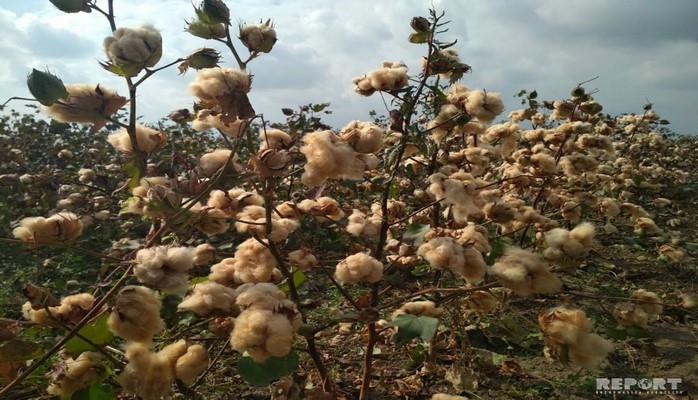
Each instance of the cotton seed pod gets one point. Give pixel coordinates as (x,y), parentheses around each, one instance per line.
(135,315)
(359,267)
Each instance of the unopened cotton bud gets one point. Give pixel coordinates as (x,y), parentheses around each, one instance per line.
(420,24)
(46,87)
(203,30)
(200,59)
(213,12)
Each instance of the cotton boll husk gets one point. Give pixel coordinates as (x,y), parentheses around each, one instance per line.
(88,104)
(192,364)
(564,326)
(208,298)
(76,374)
(590,351)
(646,295)
(135,315)
(359,267)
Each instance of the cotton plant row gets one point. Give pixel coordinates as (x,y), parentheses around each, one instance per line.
(551,178)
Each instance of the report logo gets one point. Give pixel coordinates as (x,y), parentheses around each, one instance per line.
(639,386)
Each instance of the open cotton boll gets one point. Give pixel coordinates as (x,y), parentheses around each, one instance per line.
(653,308)
(302,259)
(192,364)
(482,301)
(74,374)
(584,234)
(590,351)
(442,252)
(211,162)
(358,224)
(419,308)
(359,267)
(252,262)
(274,139)
(147,375)
(224,89)
(485,106)
(364,137)
(134,48)
(444,396)
(262,334)
(56,228)
(564,326)
(630,314)
(208,298)
(148,140)
(265,296)
(647,225)
(525,273)
(207,120)
(135,315)
(330,157)
(87,104)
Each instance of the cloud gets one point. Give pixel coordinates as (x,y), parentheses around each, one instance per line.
(640,50)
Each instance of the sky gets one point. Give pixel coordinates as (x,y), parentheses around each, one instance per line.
(641,50)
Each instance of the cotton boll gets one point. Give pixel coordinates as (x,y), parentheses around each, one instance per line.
(173,351)
(275,139)
(564,326)
(647,226)
(419,308)
(266,296)
(590,351)
(525,273)
(485,106)
(444,396)
(653,308)
(204,254)
(87,104)
(225,90)
(74,374)
(192,364)
(56,228)
(303,259)
(584,234)
(474,266)
(262,334)
(482,301)
(629,314)
(364,137)
(134,48)
(135,315)
(211,162)
(148,140)
(359,267)
(147,374)
(609,207)
(329,157)
(442,252)
(208,298)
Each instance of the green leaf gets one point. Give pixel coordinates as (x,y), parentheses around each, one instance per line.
(615,333)
(287,111)
(533,95)
(416,232)
(133,172)
(298,279)
(498,248)
(97,332)
(96,391)
(411,327)
(17,350)
(637,332)
(262,374)
(319,107)
(198,279)
(418,37)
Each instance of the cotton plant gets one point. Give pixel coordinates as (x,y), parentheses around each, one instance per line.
(232,231)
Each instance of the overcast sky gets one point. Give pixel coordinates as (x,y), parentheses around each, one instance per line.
(642,50)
